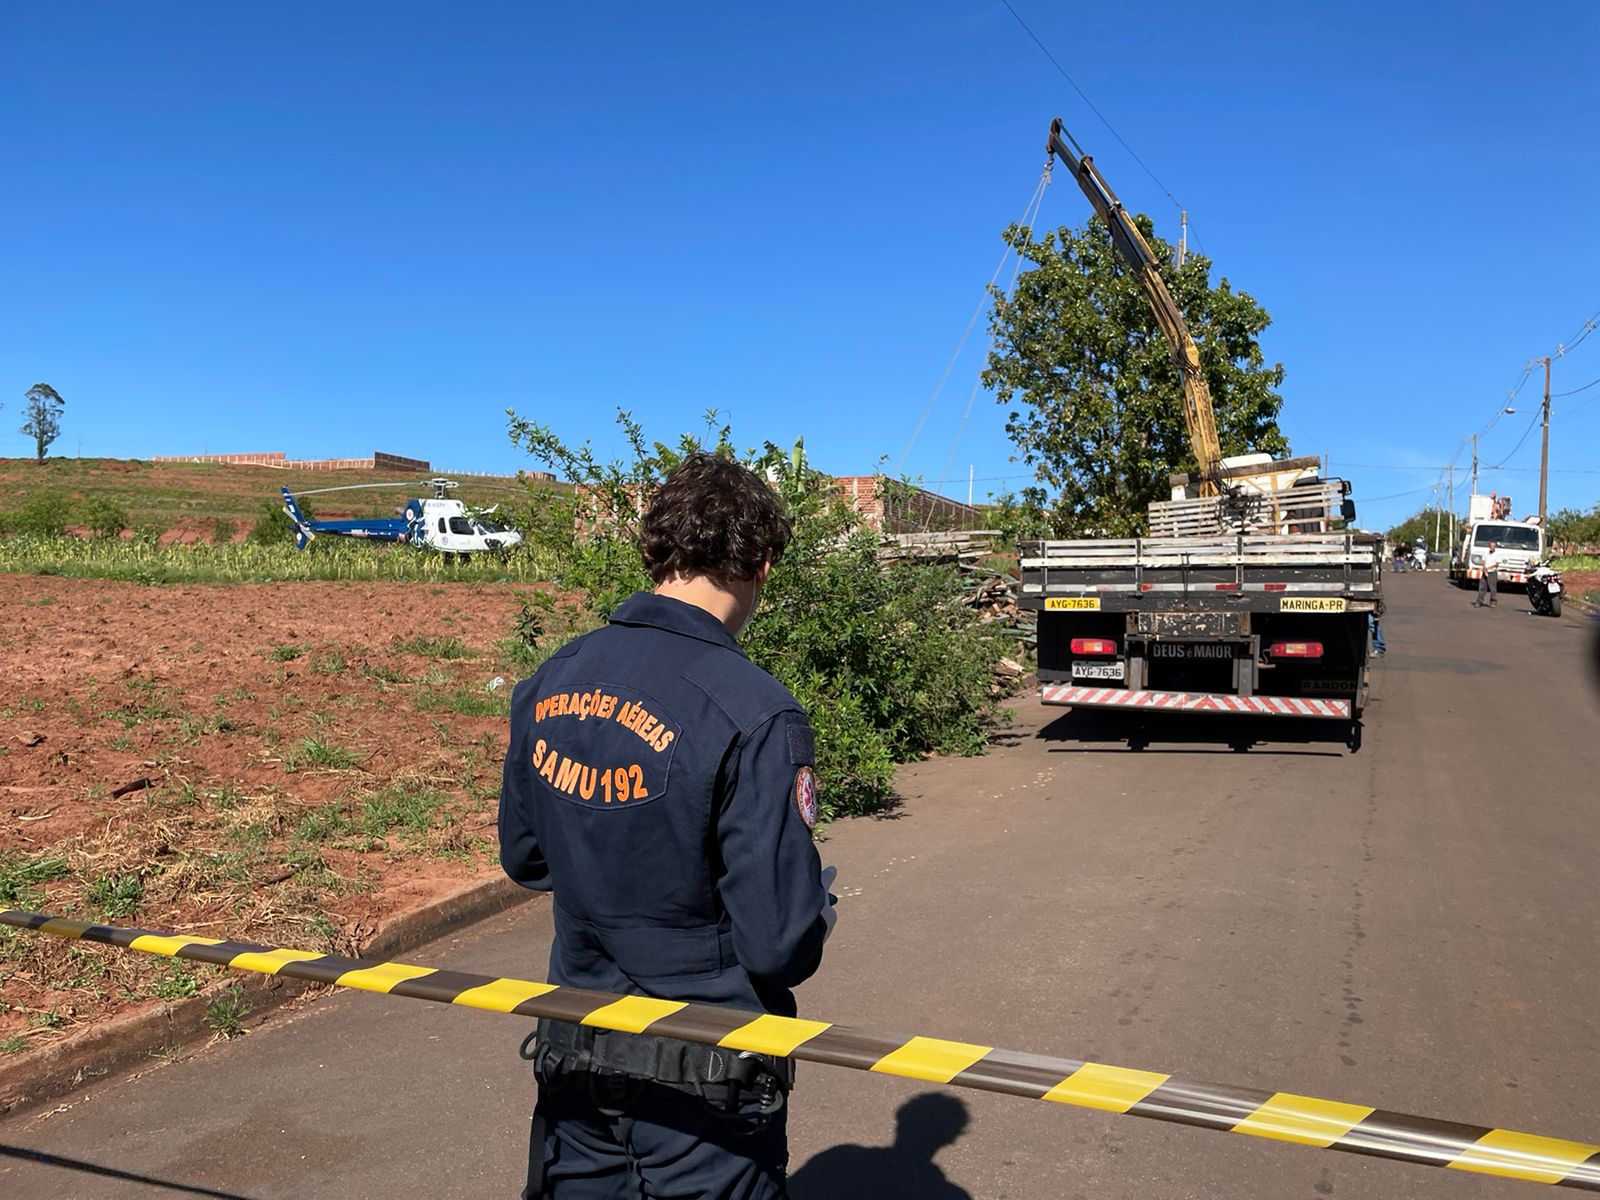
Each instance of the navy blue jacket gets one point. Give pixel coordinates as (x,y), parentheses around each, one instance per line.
(656,781)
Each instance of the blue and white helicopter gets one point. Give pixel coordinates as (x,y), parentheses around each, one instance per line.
(437,523)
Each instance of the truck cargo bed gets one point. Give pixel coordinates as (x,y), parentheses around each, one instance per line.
(1269,625)
(1259,573)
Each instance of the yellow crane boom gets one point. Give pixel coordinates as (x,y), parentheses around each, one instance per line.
(1198,415)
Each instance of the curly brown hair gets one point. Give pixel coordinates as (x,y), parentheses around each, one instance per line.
(713,518)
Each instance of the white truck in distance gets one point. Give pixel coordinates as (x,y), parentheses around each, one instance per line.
(1522,543)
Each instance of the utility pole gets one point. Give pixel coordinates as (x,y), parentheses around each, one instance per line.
(1452,504)
(1474,464)
(1183,237)
(970,469)
(1438,515)
(1544,451)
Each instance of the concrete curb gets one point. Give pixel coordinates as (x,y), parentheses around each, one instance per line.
(128,1039)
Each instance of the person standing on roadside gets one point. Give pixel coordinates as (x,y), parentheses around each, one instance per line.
(1489,581)
(662,786)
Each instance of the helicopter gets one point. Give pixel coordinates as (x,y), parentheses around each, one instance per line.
(436,523)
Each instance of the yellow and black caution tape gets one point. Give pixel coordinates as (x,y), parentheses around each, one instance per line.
(1284,1116)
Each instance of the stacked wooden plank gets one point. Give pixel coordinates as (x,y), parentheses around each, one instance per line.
(959,546)
(990,587)
(1307,508)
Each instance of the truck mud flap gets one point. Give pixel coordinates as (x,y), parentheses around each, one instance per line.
(1262,706)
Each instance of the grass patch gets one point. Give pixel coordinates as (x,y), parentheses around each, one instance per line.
(408,807)
(22,876)
(226,1015)
(444,647)
(175,982)
(114,896)
(286,652)
(323,824)
(141,560)
(315,752)
(329,664)
(88,966)
(151,702)
(468,702)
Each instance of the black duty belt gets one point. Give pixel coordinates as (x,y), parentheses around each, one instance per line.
(738,1086)
(563,1048)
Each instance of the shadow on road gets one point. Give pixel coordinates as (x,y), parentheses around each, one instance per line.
(924,1125)
(1171,733)
(89,1168)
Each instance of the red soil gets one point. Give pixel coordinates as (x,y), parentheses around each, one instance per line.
(111,683)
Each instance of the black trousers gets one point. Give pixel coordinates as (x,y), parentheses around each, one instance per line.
(612,1139)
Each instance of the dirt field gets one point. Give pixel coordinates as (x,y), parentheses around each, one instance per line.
(303,760)
(1583,584)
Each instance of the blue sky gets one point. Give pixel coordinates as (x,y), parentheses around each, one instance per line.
(327,229)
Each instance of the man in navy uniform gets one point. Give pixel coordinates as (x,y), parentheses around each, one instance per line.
(660,784)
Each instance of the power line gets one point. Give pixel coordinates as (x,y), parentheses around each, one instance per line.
(1518,446)
(1589,325)
(1577,339)
(1535,470)
(1396,495)
(1084,97)
(1576,390)
(1407,467)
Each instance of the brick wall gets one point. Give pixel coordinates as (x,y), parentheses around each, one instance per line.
(903,509)
(397,462)
(378,462)
(272,459)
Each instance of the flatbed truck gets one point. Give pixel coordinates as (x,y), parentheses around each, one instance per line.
(1260,624)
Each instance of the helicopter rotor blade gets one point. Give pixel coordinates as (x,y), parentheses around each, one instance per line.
(448,484)
(356,487)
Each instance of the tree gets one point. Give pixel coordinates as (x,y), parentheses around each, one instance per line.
(273,527)
(1575,532)
(1097,401)
(886,657)
(44,416)
(104,516)
(1422,524)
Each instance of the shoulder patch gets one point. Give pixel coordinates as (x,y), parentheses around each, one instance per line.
(802,745)
(805,796)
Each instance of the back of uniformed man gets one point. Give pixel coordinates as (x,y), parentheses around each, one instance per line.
(660,784)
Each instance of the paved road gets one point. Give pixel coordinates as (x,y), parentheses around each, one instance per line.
(1414,926)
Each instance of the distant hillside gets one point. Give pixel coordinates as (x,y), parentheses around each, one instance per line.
(192,495)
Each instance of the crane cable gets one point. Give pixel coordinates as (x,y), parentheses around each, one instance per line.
(1082,95)
(977,381)
(1028,216)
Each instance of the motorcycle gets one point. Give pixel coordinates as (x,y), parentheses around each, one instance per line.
(1419,558)
(1544,590)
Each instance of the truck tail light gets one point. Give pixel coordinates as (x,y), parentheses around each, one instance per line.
(1093,646)
(1295,650)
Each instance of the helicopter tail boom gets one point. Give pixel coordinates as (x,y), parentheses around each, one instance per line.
(303,534)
